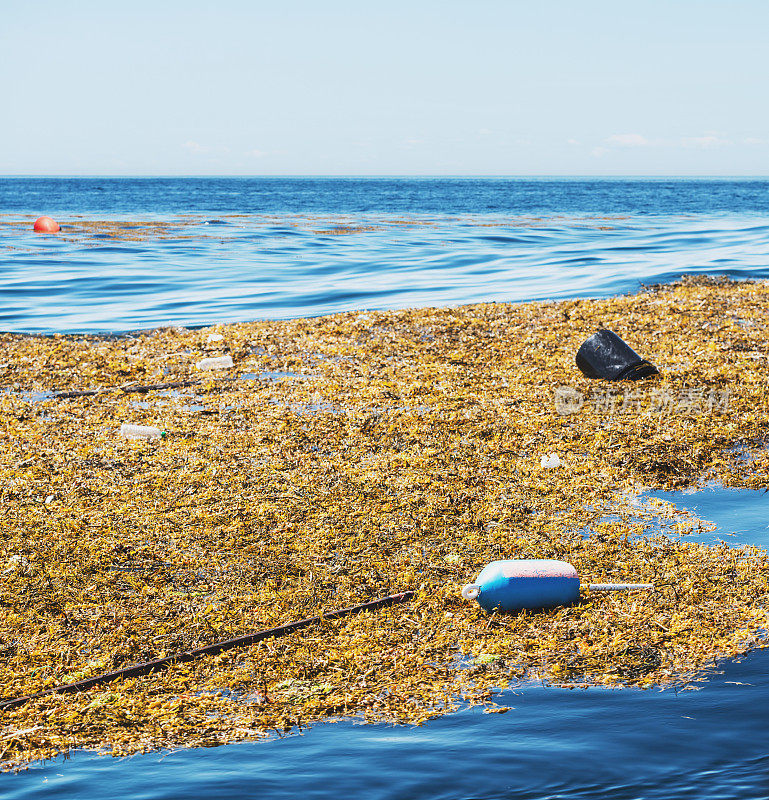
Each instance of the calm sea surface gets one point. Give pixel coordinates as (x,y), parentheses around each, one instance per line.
(242,249)
(138,253)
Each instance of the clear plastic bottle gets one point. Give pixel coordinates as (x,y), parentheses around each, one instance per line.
(221,362)
(140,431)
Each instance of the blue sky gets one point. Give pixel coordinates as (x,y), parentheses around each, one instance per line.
(398,88)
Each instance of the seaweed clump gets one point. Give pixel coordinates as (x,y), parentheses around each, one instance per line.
(378,452)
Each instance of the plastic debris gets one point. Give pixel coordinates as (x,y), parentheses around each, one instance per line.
(550,461)
(140,431)
(220,362)
(605,355)
(214,337)
(16,562)
(532,583)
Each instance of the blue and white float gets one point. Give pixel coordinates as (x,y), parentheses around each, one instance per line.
(517,584)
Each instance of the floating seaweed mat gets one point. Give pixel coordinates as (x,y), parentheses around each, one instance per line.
(393,451)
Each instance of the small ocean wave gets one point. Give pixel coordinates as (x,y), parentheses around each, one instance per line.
(171,270)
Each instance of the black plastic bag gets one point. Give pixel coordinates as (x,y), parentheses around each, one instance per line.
(605,355)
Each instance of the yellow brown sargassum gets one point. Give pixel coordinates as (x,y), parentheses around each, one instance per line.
(401,451)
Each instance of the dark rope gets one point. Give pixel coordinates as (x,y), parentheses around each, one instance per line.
(209,650)
(64,395)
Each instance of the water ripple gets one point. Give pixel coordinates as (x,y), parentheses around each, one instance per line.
(256,268)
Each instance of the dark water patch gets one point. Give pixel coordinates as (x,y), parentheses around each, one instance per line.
(554,743)
(274,375)
(121,249)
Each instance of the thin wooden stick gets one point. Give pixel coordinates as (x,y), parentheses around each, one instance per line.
(126,389)
(209,650)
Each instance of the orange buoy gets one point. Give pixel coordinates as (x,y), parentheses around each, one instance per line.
(46,225)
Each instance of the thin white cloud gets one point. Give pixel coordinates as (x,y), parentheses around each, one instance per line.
(256,153)
(204,149)
(572,141)
(628,140)
(597,152)
(196,147)
(704,141)
(707,140)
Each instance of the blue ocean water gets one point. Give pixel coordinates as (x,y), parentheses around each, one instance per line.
(237,249)
(240,249)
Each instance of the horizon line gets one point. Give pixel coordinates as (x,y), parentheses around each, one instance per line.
(399,176)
